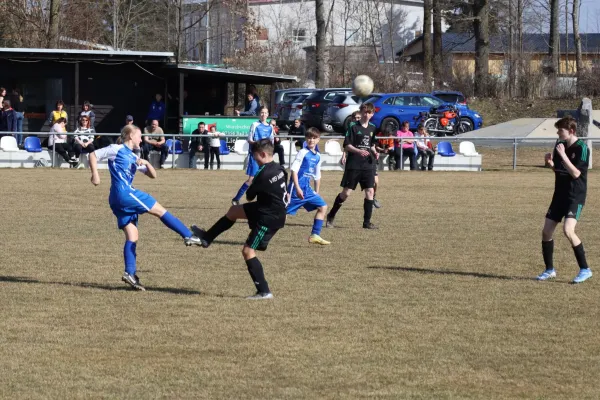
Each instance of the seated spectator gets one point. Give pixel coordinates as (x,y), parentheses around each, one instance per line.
(16,102)
(86,110)
(2,94)
(408,148)
(425,149)
(156,141)
(298,129)
(215,146)
(251,107)
(57,140)
(58,113)
(254,91)
(8,118)
(278,148)
(386,146)
(84,138)
(198,143)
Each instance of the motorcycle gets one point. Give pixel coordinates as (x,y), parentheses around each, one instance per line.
(443,121)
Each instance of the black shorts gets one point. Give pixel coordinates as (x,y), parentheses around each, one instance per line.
(564,208)
(260,235)
(352,177)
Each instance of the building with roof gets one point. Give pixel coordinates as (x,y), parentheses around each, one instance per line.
(459,52)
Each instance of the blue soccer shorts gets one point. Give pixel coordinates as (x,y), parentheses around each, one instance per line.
(252,168)
(127,205)
(311,201)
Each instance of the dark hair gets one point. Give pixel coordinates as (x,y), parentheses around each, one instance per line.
(60,102)
(263,108)
(312,133)
(367,107)
(263,145)
(355,113)
(7,102)
(568,123)
(420,126)
(2,89)
(61,120)
(405,123)
(87,103)
(201,123)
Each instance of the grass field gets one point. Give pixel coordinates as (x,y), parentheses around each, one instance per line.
(437,304)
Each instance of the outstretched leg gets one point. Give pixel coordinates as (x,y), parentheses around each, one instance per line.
(174,224)
(337,204)
(223,224)
(315,235)
(236,200)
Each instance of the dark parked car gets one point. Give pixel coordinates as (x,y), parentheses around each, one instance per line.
(451,96)
(315,105)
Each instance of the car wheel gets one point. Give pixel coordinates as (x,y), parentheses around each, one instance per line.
(390,123)
(465,125)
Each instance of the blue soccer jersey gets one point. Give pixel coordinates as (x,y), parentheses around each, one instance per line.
(258,131)
(307,166)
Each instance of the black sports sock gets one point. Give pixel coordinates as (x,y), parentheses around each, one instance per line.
(337,204)
(219,227)
(580,256)
(368,206)
(547,252)
(257,274)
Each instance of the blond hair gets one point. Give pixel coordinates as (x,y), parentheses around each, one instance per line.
(126,133)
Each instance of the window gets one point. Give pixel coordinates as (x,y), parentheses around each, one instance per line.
(299,35)
(430,101)
(389,101)
(402,101)
(263,33)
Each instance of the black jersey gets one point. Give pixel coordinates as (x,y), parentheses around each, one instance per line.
(565,185)
(269,187)
(362,138)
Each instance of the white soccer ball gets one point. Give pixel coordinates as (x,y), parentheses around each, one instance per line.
(362,86)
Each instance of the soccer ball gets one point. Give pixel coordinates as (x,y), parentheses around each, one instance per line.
(362,86)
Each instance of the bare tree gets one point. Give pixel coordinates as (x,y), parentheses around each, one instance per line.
(322,50)
(53,33)
(427,53)
(437,39)
(482,44)
(554,37)
(578,57)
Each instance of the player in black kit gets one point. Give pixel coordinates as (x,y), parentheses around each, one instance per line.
(570,163)
(360,165)
(265,216)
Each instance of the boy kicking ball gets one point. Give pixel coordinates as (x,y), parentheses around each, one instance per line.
(265,216)
(307,165)
(570,163)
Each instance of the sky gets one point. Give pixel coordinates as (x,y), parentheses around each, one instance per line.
(589,19)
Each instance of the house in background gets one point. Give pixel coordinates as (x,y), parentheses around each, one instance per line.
(459,53)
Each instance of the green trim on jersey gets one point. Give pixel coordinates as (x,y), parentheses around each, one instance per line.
(584,150)
(259,237)
(578,214)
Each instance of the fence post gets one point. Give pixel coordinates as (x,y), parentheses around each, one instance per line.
(173,152)
(514,154)
(53,152)
(401,166)
(292,145)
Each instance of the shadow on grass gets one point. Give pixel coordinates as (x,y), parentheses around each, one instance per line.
(296,224)
(458,273)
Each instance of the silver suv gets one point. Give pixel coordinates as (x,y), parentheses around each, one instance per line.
(337,116)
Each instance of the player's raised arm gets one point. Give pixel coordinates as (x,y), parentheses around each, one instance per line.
(147,168)
(94,168)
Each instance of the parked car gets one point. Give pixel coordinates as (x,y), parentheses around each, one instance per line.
(290,111)
(284,95)
(451,96)
(337,116)
(314,106)
(393,108)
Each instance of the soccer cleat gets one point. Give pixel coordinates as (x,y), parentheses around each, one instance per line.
(133,281)
(316,239)
(260,296)
(370,225)
(547,274)
(235,202)
(376,203)
(193,240)
(199,234)
(584,275)
(329,223)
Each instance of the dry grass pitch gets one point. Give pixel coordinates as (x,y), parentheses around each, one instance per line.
(439,303)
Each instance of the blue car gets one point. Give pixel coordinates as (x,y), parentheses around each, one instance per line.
(393,108)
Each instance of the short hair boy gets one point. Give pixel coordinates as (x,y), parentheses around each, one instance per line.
(265,216)
(360,166)
(570,163)
(305,167)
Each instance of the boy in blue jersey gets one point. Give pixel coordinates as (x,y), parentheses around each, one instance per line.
(305,167)
(570,164)
(259,130)
(127,202)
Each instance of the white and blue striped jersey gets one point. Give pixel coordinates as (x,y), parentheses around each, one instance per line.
(260,131)
(122,164)
(307,166)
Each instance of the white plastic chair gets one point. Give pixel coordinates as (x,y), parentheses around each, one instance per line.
(241,147)
(9,143)
(467,149)
(333,148)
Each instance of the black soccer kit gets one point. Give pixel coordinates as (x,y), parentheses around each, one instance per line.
(267,214)
(360,169)
(569,193)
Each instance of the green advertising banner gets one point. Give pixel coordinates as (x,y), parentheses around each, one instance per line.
(226,125)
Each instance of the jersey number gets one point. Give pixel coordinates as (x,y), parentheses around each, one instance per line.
(285,194)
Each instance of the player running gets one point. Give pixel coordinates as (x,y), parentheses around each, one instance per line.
(307,165)
(265,216)
(570,163)
(127,203)
(259,130)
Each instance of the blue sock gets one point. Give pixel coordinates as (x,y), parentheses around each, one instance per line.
(317,226)
(241,192)
(129,255)
(176,225)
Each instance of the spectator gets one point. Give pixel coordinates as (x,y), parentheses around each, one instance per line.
(86,110)
(8,118)
(84,138)
(157,109)
(425,149)
(408,148)
(128,121)
(155,142)
(58,113)
(215,146)
(199,144)
(17,104)
(386,146)
(278,148)
(252,90)
(58,140)
(298,130)
(251,107)
(2,94)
